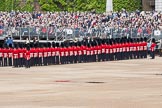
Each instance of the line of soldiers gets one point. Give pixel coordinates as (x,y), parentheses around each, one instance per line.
(92,50)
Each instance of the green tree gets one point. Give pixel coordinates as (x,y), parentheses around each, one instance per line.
(129,5)
(69,5)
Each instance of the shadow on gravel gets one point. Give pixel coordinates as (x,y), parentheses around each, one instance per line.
(158,74)
(95,82)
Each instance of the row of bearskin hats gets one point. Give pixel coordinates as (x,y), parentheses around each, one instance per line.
(85,42)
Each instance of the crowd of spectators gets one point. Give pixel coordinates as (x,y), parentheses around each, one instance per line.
(112,23)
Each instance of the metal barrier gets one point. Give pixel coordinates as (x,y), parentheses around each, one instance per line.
(61,33)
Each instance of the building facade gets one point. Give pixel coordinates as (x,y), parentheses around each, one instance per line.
(149,5)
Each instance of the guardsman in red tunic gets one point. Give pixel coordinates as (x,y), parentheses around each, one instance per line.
(103,52)
(124,50)
(95,51)
(45,55)
(88,53)
(62,54)
(137,44)
(84,53)
(49,60)
(144,44)
(93,55)
(37,58)
(99,51)
(66,54)
(117,55)
(15,57)
(152,47)
(20,57)
(27,57)
(114,49)
(1,60)
(75,53)
(10,50)
(5,56)
(40,56)
(24,51)
(53,54)
(70,50)
(140,47)
(134,49)
(131,45)
(79,49)
(32,62)
(127,49)
(35,55)
(107,50)
(57,49)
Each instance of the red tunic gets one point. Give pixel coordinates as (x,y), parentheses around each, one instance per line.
(10,50)
(107,49)
(92,50)
(45,52)
(66,51)
(20,53)
(103,49)
(84,52)
(49,52)
(15,54)
(0,52)
(57,51)
(75,51)
(5,53)
(27,55)
(88,51)
(79,49)
(153,45)
(62,52)
(53,52)
(99,49)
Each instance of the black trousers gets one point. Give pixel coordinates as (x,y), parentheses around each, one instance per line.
(111,56)
(66,60)
(84,58)
(99,57)
(94,58)
(127,55)
(45,61)
(32,61)
(27,64)
(57,60)
(40,61)
(107,57)
(15,62)
(1,62)
(53,60)
(145,53)
(76,59)
(131,54)
(71,58)
(103,56)
(62,59)
(5,62)
(10,61)
(152,54)
(21,62)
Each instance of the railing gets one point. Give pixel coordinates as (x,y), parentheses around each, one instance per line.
(60,34)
